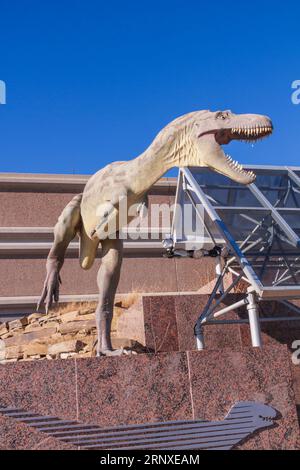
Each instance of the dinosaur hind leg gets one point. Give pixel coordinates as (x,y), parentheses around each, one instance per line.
(108,279)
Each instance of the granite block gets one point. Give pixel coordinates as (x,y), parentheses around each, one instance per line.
(170,320)
(18,436)
(220,378)
(285,332)
(189,307)
(145,388)
(133,389)
(160,323)
(45,387)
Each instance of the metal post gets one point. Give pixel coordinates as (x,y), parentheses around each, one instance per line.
(254,321)
(219,271)
(200,339)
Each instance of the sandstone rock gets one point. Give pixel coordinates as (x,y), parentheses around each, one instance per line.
(66,347)
(34,316)
(26,338)
(2,350)
(19,323)
(69,316)
(34,349)
(6,335)
(46,318)
(33,327)
(3,328)
(87,311)
(67,355)
(60,335)
(83,354)
(87,316)
(38,327)
(14,352)
(58,338)
(131,323)
(89,343)
(73,327)
(118,343)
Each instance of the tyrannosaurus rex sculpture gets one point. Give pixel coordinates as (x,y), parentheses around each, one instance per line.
(194,139)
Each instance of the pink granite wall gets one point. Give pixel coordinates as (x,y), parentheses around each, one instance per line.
(149,388)
(41,209)
(169,322)
(23,277)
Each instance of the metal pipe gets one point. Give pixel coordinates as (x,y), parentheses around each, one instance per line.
(219,271)
(289,232)
(254,321)
(224,294)
(245,265)
(232,271)
(206,310)
(290,306)
(200,345)
(224,310)
(246,321)
(200,217)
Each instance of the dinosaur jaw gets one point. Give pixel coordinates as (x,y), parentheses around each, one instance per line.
(250,134)
(267,421)
(224,163)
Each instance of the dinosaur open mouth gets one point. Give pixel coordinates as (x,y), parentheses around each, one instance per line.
(244,133)
(238,169)
(250,134)
(266,418)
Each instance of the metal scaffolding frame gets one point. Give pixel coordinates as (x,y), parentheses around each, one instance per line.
(259,244)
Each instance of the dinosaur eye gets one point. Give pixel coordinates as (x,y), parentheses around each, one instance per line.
(222,115)
(105,214)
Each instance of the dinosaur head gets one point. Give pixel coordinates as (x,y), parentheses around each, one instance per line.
(261,415)
(265,414)
(204,133)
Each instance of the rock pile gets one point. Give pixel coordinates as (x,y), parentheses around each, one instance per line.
(62,333)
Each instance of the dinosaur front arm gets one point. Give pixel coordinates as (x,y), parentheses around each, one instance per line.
(64,231)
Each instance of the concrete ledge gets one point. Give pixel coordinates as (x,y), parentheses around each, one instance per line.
(62,182)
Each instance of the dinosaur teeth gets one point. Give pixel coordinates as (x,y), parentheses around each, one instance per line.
(238,168)
(256,131)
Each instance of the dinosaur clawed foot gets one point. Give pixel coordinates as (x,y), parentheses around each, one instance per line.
(116,352)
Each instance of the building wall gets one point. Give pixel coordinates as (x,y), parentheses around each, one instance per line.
(30,205)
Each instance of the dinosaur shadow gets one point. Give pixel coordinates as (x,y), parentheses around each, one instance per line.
(256,433)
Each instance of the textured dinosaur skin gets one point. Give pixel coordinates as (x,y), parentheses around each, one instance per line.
(194,139)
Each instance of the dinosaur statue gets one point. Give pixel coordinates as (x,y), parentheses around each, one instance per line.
(242,420)
(194,139)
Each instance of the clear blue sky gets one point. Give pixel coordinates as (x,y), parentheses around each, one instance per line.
(89,82)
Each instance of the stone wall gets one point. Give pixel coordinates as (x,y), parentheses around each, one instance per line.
(150,388)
